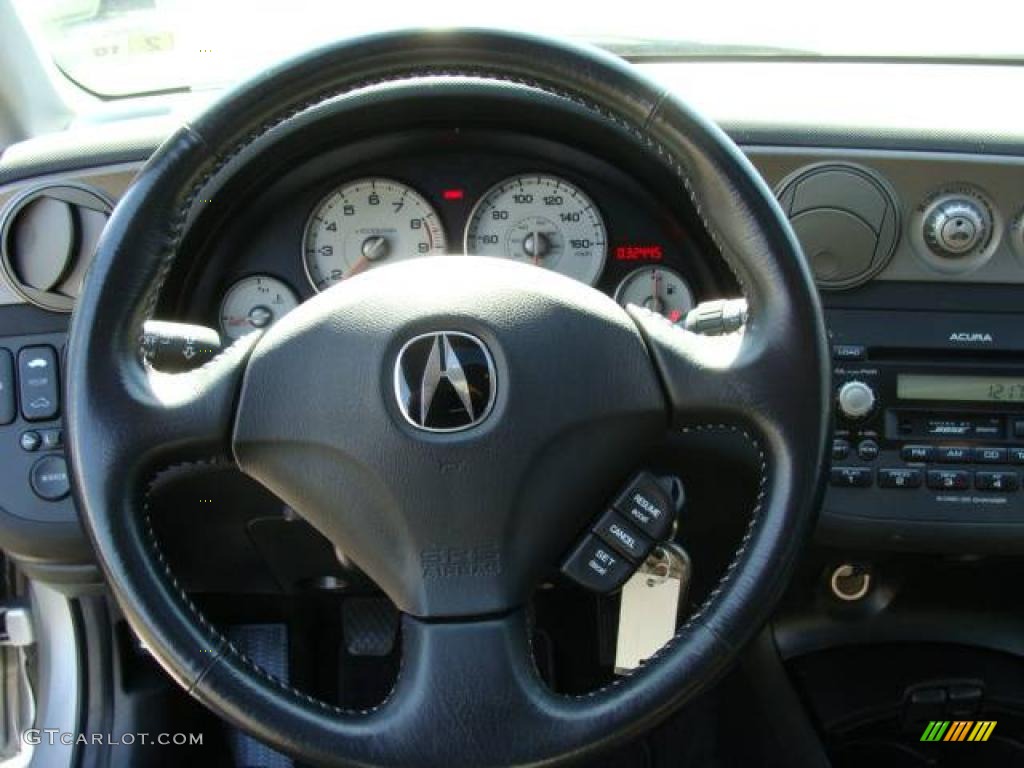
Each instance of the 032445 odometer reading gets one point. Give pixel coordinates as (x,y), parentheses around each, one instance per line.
(542,220)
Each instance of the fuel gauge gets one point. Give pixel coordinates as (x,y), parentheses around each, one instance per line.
(255,302)
(659,290)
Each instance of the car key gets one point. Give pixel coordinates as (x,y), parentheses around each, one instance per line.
(649,606)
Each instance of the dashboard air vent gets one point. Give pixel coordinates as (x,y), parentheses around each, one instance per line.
(847,220)
(47,237)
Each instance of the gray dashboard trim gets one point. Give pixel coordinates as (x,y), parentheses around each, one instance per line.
(914,176)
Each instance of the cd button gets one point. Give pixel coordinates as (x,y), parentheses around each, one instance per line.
(990,455)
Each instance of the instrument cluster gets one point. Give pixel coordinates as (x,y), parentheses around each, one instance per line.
(593,229)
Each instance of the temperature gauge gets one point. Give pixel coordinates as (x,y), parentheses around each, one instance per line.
(659,290)
(255,302)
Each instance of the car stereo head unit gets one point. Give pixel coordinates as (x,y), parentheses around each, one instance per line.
(929,439)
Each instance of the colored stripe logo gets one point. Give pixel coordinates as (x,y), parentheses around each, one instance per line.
(958,730)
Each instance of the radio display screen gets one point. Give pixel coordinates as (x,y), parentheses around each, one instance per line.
(974,389)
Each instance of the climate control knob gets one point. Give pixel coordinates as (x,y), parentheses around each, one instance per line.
(856,400)
(956,226)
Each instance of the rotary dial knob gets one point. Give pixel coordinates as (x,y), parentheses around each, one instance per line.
(956,227)
(856,400)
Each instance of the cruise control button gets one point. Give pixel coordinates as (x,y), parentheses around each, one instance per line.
(996,481)
(953,455)
(989,455)
(37,381)
(948,479)
(49,478)
(6,387)
(623,536)
(850,477)
(917,453)
(646,505)
(899,478)
(596,566)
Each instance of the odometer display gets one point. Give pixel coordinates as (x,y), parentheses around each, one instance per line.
(367,223)
(542,220)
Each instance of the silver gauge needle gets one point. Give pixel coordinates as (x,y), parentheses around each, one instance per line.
(656,303)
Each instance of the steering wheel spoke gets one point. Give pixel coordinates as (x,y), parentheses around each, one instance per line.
(168,417)
(748,379)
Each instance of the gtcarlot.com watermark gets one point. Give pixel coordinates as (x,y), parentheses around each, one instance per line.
(54,736)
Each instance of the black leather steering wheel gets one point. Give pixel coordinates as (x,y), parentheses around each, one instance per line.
(308,409)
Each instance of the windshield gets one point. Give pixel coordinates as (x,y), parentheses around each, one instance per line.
(129,47)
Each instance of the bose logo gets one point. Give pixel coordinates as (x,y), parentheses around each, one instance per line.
(972,337)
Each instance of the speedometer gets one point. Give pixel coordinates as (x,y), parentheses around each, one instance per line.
(366,223)
(540,220)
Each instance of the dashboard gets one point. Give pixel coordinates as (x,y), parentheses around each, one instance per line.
(918,252)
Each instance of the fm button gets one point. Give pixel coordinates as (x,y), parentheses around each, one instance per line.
(646,504)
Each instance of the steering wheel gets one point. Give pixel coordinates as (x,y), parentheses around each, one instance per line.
(310,410)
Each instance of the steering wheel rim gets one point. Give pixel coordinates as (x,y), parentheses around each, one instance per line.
(126,420)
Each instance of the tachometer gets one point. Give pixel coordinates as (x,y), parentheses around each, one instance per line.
(540,220)
(364,224)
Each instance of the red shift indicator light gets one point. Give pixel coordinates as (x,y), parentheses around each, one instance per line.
(453,194)
(638,252)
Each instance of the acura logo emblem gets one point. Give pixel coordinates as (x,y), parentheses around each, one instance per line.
(444,381)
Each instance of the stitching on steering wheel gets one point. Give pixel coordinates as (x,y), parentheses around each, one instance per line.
(639,134)
(223,643)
